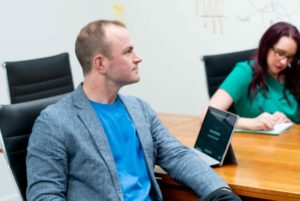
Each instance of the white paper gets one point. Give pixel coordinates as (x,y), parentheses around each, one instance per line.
(277,130)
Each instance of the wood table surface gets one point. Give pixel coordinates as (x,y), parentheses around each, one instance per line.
(268,166)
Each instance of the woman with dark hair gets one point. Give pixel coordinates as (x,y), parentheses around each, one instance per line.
(266,89)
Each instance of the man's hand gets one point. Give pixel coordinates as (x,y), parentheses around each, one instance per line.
(222,194)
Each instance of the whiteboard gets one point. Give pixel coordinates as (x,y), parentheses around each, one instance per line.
(173,36)
(170,36)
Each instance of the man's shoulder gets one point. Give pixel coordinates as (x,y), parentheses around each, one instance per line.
(60,108)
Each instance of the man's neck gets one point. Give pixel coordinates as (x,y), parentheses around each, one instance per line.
(100,92)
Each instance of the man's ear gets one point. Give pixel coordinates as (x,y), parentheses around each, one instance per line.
(99,63)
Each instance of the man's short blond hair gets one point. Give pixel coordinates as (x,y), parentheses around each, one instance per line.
(92,39)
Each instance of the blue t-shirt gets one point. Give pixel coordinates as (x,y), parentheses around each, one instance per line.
(126,148)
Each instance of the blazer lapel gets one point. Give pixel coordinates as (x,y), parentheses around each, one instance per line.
(91,121)
(142,129)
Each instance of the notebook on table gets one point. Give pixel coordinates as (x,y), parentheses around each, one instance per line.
(213,142)
(277,130)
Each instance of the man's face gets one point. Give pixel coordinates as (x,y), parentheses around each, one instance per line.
(122,66)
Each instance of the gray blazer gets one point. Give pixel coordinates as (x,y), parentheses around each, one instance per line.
(69,157)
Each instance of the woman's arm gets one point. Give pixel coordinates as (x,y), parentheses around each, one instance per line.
(222,100)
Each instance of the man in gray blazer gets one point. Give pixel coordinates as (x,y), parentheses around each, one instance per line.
(96,144)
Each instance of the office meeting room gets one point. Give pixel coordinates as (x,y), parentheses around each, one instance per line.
(124,100)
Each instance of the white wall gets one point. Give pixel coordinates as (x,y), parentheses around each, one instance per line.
(171,36)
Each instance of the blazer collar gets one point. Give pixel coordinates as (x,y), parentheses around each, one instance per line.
(142,127)
(89,118)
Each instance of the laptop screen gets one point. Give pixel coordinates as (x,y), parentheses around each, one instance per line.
(215,133)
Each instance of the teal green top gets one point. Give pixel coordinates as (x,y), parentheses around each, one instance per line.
(237,85)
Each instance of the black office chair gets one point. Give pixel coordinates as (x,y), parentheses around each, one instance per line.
(218,66)
(39,78)
(16,122)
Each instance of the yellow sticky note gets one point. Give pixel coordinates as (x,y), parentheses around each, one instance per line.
(118,12)
(118,9)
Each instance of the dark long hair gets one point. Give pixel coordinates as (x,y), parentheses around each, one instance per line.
(260,66)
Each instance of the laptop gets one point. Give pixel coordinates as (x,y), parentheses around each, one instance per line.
(213,142)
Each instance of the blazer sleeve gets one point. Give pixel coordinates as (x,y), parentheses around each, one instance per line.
(46,161)
(181,162)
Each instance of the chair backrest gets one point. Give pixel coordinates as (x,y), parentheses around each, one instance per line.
(16,122)
(218,66)
(39,78)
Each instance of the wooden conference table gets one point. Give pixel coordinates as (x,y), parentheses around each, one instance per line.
(268,166)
